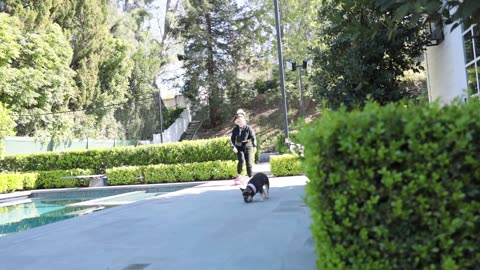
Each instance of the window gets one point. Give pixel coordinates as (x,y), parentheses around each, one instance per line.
(471,41)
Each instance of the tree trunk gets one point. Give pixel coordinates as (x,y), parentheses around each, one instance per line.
(166,24)
(213,96)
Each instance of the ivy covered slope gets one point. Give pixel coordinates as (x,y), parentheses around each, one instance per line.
(395,187)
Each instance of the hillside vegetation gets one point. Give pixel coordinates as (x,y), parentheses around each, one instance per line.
(266,117)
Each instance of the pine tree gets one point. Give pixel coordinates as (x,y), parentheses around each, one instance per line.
(217,36)
(140,114)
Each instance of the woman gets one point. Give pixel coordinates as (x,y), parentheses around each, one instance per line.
(244,143)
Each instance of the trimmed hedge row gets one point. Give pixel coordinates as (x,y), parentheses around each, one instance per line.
(395,188)
(10,182)
(285,165)
(54,179)
(101,159)
(162,173)
(170,173)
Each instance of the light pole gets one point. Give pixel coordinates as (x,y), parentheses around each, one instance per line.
(160,108)
(292,66)
(282,79)
(161,115)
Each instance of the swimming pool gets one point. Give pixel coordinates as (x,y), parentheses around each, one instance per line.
(42,207)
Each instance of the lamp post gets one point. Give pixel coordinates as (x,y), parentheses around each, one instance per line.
(160,108)
(161,115)
(292,66)
(434,30)
(282,79)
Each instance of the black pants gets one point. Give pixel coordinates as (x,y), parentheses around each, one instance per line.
(244,154)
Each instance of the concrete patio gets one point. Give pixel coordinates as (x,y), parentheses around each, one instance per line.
(205,227)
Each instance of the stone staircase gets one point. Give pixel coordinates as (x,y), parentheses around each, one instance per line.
(192,129)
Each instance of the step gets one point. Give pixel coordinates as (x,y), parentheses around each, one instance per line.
(14,202)
(85,211)
(110,200)
(14,195)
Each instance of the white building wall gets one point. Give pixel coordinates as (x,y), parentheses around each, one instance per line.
(177,101)
(175,131)
(446,75)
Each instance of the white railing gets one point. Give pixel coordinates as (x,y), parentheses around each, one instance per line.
(175,131)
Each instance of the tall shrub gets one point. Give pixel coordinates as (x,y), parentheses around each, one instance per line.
(395,188)
(56,179)
(6,126)
(362,50)
(287,164)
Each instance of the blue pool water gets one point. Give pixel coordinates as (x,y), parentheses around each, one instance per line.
(42,208)
(24,216)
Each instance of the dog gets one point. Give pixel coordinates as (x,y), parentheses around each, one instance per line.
(259,183)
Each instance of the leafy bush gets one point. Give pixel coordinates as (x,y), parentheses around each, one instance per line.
(212,170)
(395,188)
(280,143)
(29,180)
(170,173)
(11,182)
(287,164)
(358,57)
(161,173)
(256,156)
(6,125)
(222,169)
(171,115)
(262,86)
(125,176)
(101,159)
(4,184)
(54,179)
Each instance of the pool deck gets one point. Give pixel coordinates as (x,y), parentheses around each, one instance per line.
(206,227)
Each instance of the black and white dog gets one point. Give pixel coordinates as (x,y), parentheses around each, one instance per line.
(257,184)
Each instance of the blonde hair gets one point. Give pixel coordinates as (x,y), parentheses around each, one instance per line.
(238,114)
(240,120)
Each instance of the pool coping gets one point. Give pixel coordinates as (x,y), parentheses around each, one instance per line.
(55,226)
(15,195)
(20,197)
(103,201)
(259,167)
(23,193)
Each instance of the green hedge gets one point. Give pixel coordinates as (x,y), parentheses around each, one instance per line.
(125,175)
(287,164)
(163,173)
(54,179)
(11,182)
(29,180)
(280,141)
(169,173)
(101,159)
(395,188)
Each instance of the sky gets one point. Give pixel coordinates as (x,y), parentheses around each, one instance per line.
(168,81)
